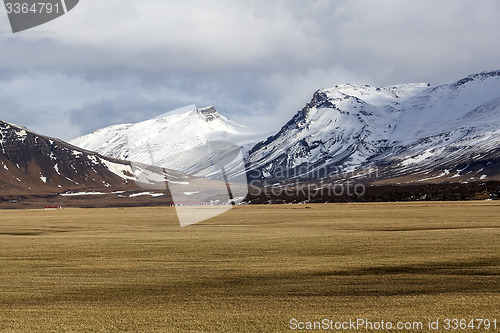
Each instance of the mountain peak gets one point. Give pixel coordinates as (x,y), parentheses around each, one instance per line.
(208,113)
(479,76)
(164,141)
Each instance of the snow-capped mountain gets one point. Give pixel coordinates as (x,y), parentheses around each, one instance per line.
(407,133)
(416,131)
(341,126)
(171,140)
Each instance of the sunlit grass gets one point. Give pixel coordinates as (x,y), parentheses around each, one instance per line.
(249,270)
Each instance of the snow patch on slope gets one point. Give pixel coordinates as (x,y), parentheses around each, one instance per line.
(121,170)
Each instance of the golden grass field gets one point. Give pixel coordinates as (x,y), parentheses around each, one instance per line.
(252,269)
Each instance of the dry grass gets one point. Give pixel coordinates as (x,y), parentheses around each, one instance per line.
(250,270)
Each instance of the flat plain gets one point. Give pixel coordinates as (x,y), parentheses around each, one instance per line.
(252,269)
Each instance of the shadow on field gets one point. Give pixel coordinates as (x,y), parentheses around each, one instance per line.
(487,266)
(33,233)
(471,276)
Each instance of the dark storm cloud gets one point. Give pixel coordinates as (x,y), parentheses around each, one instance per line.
(118,61)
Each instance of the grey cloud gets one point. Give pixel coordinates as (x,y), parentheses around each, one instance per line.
(118,61)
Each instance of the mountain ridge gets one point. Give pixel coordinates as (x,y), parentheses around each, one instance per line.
(402,134)
(377,127)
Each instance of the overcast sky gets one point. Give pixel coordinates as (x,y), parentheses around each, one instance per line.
(258,62)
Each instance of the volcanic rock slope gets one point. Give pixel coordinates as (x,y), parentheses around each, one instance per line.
(31,163)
